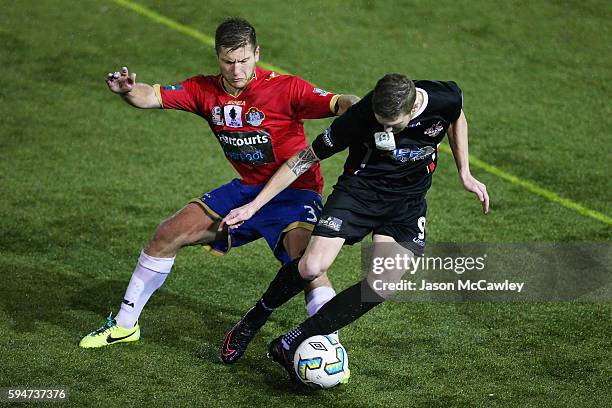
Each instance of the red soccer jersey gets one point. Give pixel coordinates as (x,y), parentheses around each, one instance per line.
(262,127)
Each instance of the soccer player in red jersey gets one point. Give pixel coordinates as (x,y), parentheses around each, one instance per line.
(256,116)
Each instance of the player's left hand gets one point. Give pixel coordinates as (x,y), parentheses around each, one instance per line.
(238,216)
(478,188)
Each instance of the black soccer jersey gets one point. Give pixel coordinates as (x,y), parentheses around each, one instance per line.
(401,170)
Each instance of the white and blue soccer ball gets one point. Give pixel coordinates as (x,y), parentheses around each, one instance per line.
(321,362)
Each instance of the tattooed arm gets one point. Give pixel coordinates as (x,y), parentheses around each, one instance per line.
(300,162)
(297,165)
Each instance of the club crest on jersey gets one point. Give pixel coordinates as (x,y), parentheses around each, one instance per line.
(215,116)
(176,87)
(233,115)
(254,116)
(434,130)
(320,91)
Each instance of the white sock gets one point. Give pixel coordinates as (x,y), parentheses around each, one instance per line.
(316,298)
(149,275)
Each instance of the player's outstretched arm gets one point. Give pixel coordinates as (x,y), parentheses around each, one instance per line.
(297,165)
(458,139)
(140,95)
(344,102)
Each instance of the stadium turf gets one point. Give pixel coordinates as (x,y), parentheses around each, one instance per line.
(85,179)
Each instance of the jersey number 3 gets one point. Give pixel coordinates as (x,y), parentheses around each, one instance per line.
(311,211)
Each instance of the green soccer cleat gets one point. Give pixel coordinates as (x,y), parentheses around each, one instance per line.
(109,334)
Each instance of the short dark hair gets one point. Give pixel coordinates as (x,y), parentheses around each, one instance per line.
(233,33)
(394,94)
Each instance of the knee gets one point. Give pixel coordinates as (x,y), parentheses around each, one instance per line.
(312,268)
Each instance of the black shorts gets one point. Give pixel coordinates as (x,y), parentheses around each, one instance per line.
(352,216)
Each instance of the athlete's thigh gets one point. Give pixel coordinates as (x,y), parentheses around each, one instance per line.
(390,260)
(216,204)
(191,224)
(321,253)
(295,241)
(286,221)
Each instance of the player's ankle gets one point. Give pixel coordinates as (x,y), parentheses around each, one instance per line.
(259,314)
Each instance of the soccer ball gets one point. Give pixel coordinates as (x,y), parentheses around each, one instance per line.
(321,362)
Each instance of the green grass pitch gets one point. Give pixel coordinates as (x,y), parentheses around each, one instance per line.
(85,179)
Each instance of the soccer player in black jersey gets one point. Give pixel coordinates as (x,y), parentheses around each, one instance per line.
(392,135)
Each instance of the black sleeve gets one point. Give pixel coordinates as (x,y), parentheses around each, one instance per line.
(339,135)
(454,103)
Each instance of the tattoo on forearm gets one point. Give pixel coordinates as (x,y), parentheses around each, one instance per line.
(302,161)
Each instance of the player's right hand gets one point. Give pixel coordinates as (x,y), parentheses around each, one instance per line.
(121,82)
(238,216)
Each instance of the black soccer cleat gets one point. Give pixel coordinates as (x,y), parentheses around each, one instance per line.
(236,341)
(278,354)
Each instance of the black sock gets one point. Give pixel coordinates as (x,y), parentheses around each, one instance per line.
(286,284)
(258,314)
(346,307)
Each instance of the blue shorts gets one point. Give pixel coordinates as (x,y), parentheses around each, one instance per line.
(291,208)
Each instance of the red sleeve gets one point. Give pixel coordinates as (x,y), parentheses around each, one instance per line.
(310,102)
(185,95)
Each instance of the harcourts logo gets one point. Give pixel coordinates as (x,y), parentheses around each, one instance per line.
(254,148)
(241,140)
